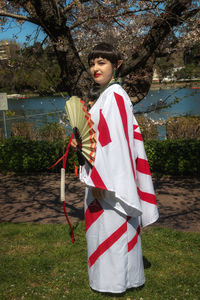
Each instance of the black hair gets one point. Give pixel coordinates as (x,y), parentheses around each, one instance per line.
(105,50)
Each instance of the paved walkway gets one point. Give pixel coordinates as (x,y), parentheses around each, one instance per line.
(35,199)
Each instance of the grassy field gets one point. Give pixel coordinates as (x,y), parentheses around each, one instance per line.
(40,262)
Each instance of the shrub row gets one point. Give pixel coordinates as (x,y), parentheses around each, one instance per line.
(20,155)
(172,157)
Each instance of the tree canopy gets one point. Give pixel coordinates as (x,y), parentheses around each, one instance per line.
(142,30)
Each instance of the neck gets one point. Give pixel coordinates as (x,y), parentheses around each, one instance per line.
(108,84)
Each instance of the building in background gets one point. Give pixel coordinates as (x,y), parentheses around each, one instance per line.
(8,49)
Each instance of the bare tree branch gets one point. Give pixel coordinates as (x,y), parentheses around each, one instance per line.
(17,17)
(160,29)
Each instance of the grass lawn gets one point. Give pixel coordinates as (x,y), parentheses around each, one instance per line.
(40,262)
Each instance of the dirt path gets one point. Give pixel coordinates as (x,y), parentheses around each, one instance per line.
(35,199)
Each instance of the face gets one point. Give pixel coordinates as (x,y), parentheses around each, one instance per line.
(101,70)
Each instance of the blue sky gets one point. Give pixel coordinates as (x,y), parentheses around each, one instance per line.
(14,31)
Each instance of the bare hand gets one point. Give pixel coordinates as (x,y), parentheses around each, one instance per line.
(74,143)
(97,193)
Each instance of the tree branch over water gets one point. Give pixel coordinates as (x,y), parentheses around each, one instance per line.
(138,28)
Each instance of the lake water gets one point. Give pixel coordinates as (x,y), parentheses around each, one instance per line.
(189,103)
(50,109)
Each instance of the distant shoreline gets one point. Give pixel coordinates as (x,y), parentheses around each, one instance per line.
(173,85)
(154,86)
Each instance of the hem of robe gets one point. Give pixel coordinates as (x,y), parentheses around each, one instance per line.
(151,221)
(121,291)
(127,207)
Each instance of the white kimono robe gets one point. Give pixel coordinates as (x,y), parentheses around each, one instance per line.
(121,169)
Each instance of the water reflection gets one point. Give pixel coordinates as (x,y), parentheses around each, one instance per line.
(43,110)
(189,103)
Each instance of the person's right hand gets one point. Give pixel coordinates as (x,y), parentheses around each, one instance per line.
(74,143)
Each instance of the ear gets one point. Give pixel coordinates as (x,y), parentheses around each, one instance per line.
(119,63)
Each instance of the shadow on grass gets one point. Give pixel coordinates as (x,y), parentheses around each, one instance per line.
(146,263)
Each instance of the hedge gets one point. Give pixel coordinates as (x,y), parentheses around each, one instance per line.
(174,157)
(171,157)
(20,155)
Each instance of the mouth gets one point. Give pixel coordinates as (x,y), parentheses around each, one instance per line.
(96,75)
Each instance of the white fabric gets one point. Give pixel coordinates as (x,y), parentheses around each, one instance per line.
(117,269)
(116,170)
(113,160)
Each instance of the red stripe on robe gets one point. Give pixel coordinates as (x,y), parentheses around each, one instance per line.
(104,246)
(137,136)
(96,178)
(142,166)
(134,240)
(104,134)
(121,106)
(93,212)
(147,197)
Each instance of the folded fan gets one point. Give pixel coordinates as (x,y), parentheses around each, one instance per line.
(82,124)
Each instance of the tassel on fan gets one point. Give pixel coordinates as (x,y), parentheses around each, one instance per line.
(82,124)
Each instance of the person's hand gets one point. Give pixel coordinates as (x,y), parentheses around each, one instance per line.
(74,143)
(97,193)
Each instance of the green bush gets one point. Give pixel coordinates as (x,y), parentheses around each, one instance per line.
(174,157)
(171,157)
(20,155)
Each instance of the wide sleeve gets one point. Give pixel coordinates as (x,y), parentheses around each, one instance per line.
(114,168)
(144,180)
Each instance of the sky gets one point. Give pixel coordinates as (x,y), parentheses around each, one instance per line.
(18,33)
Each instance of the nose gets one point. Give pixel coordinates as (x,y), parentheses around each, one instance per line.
(95,67)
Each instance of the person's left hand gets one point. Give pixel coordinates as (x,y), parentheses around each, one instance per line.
(97,193)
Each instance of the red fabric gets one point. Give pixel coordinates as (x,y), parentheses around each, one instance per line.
(137,136)
(104,246)
(75,166)
(142,166)
(64,164)
(121,106)
(98,182)
(67,150)
(93,212)
(104,134)
(65,155)
(68,221)
(150,198)
(134,240)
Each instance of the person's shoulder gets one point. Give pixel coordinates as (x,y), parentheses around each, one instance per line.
(115,88)
(114,95)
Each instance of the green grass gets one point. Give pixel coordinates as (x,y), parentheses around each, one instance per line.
(40,262)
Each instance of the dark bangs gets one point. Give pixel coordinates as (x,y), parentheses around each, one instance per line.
(104,50)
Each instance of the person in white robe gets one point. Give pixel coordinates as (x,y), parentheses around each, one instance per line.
(119,194)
